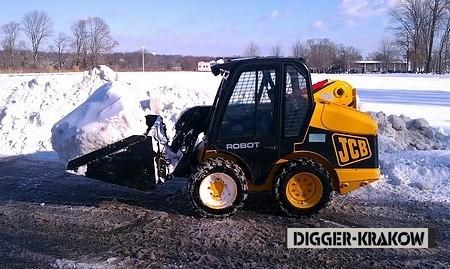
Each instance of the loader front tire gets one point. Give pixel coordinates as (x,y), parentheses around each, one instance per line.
(217,188)
(302,188)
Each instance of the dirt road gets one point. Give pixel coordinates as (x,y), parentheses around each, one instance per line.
(51,219)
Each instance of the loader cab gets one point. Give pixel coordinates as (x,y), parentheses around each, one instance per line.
(262,108)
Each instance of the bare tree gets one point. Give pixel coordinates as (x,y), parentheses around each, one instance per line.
(437,8)
(386,53)
(23,53)
(100,39)
(80,42)
(252,50)
(299,50)
(322,53)
(444,44)
(60,45)
(37,27)
(416,22)
(10,33)
(345,57)
(276,50)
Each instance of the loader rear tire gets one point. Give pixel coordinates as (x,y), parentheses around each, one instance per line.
(302,188)
(217,188)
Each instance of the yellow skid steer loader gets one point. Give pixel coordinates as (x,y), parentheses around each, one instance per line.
(269,129)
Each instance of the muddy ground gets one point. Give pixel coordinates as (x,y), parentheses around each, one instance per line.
(51,219)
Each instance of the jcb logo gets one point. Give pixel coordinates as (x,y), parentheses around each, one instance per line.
(351,149)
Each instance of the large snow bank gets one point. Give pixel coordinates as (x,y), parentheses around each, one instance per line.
(30,104)
(414,175)
(29,109)
(414,161)
(111,113)
(117,110)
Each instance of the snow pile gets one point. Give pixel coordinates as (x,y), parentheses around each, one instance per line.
(414,161)
(30,104)
(117,110)
(29,110)
(103,72)
(111,113)
(402,133)
(170,93)
(411,175)
(170,102)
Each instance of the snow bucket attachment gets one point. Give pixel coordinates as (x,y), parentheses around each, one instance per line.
(130,162)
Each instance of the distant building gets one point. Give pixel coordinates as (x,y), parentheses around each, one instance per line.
(204,66)
(367,66)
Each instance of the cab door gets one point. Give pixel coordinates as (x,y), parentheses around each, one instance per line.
(247,126)
(297,107)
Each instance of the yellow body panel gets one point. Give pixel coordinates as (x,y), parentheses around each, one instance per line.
(353,178)
(316,119)
(338,118)
(342,119)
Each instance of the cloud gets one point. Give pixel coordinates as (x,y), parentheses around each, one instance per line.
(318,25)
(361,9)
(274,13)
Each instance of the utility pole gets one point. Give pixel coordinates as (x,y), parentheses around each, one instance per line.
(143,59)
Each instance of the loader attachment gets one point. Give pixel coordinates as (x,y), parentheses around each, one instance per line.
(128,162)
(132,162)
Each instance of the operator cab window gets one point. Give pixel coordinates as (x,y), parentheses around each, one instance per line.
(296,100)
(250,110)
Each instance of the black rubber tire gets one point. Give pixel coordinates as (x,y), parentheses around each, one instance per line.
(215,165)
(291,169)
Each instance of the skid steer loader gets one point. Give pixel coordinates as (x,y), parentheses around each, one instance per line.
(268,129)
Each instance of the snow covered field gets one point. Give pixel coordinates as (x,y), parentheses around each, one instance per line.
(30,104)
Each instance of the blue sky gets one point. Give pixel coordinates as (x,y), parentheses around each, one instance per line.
(219,27)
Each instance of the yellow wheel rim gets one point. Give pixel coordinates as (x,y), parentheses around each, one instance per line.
(304,190)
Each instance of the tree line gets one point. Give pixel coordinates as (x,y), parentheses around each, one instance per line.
(89,42)
(421,30)
(33,45)
(322,55)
